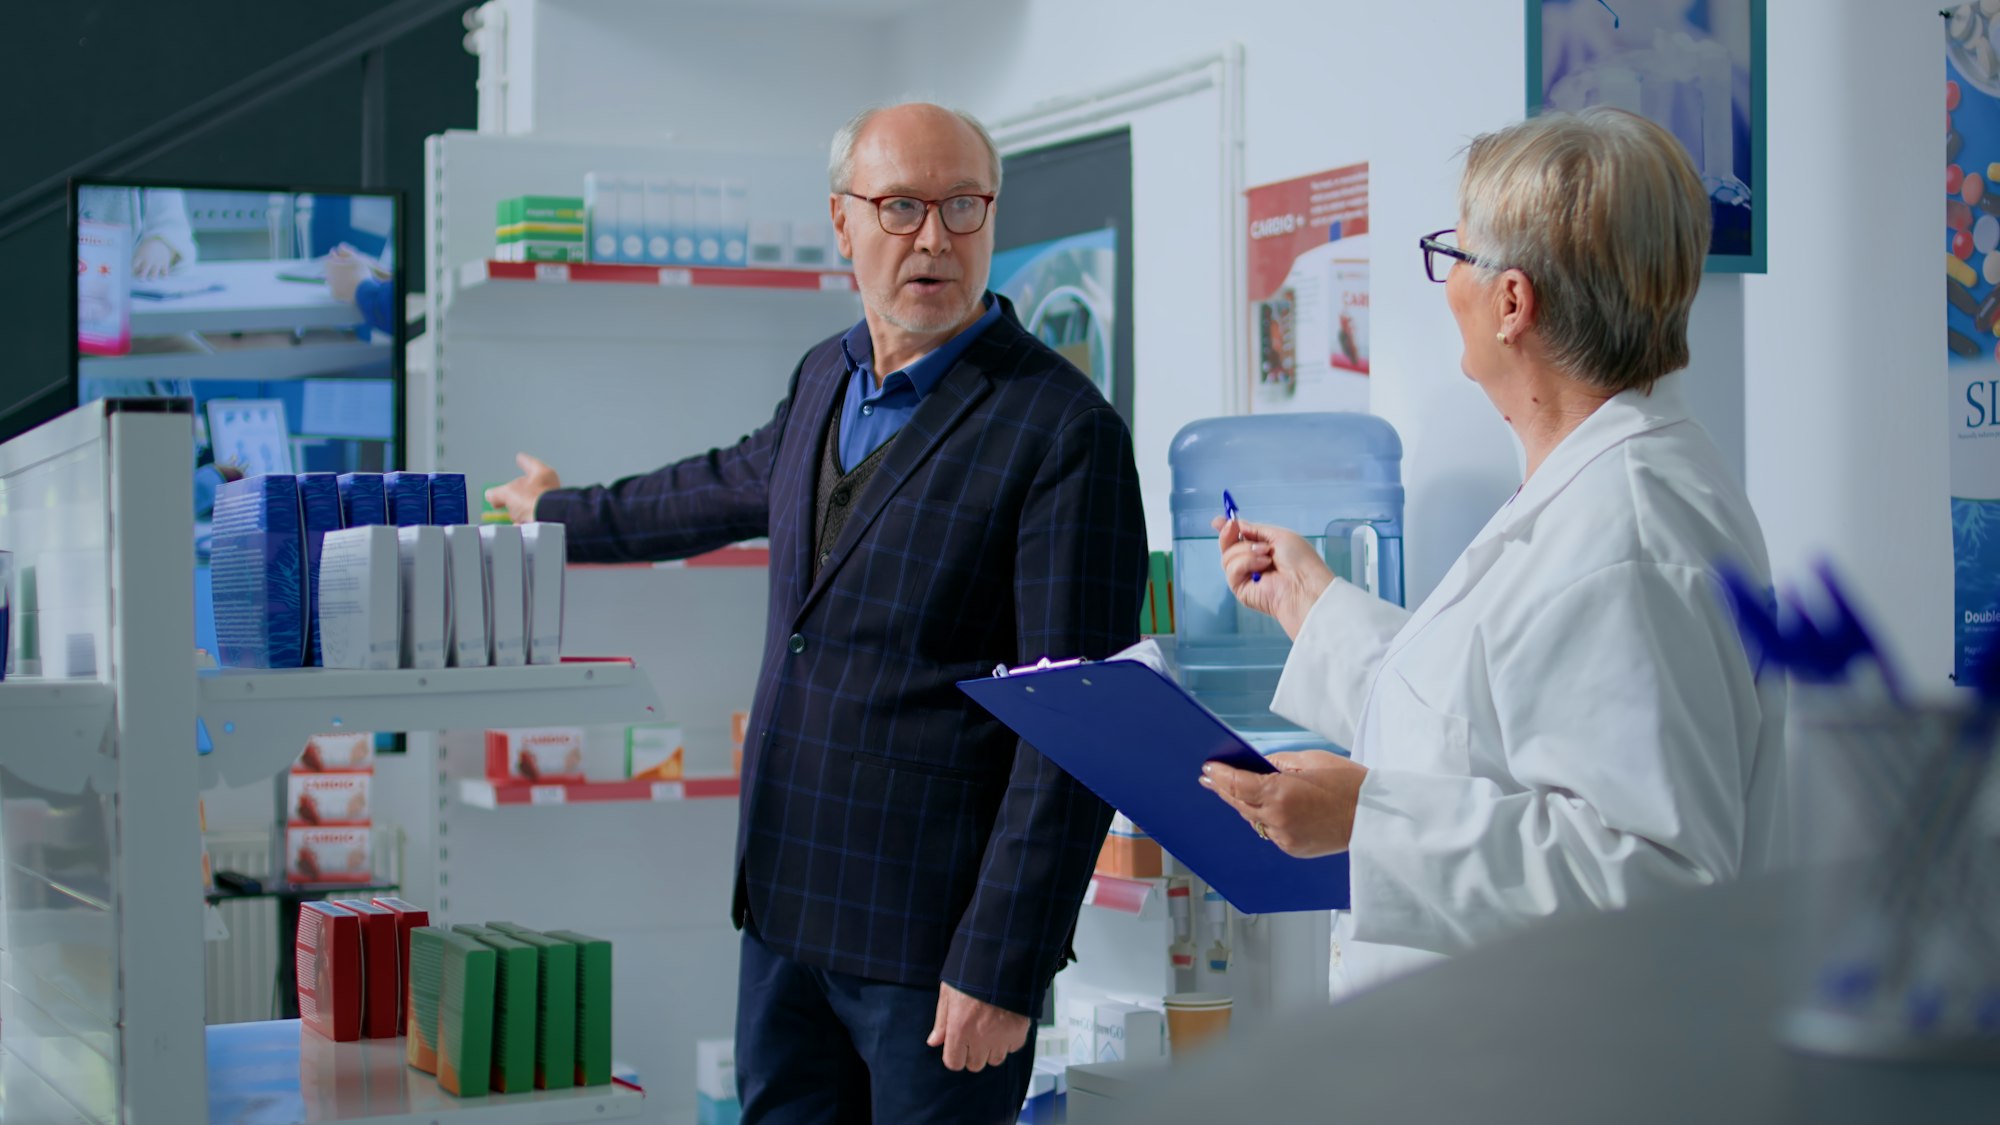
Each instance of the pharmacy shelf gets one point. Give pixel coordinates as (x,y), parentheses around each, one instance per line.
(55,729)
(259,721)
(1125,896)
(276,1073)
(482,794)
(599,301)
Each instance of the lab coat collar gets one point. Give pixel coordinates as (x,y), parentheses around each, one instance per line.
(1623,416)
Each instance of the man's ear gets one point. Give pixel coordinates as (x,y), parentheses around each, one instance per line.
(839,215)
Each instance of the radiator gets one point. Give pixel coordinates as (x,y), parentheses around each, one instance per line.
(242,968)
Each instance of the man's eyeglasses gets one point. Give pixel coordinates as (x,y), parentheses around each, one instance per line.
(1443,244)
(905,214)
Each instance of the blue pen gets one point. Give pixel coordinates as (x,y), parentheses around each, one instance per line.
(1229,513)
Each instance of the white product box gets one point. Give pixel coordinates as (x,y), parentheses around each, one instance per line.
(708,221)
(812,244)
(544,554)
(770,244)
(659,196)
(631,218)
(735,222)
(467,643)
(1079,1019)
(360,599)
(421,553)
(653,752)
(327,798)
(715,1069)
(506,593)
(681,206)
(600,208)
(1127,1032)
(328,855)
(336,753)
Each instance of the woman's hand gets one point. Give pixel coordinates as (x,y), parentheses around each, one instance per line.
(153,259)
(1272,570)
(1306,809)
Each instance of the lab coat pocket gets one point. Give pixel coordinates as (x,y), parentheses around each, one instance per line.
(1416,736)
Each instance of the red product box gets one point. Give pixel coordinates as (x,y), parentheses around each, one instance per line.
(329,971)
(337,753)
(327,798)
(381,971)
(407,918)
(539,754)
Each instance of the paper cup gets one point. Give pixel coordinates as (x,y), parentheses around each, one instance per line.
(1195,1018)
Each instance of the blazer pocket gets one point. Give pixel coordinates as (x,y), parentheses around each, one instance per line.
(1416,736)
(928,769)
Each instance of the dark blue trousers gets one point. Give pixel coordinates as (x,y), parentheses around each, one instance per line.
(815,1047)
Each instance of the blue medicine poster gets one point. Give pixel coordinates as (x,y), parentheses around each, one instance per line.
(1972,336)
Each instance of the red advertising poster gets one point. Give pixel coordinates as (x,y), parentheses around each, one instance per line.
(1308,274)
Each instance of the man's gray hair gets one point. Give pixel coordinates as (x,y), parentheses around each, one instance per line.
(840,162)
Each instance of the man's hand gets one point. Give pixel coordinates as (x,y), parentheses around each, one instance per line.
(153,259)
(973,1033)
(1272,571)
(518,496)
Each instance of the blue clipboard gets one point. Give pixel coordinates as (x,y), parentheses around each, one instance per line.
(1137,740)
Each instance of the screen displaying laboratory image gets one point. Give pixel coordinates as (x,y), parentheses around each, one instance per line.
(1692,66)
(1065,291)
(273,310)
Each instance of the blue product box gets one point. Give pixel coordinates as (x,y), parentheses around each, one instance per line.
(409,498)
(448,499)
(362,502)
(258,570)
(717,1111)
(319,509)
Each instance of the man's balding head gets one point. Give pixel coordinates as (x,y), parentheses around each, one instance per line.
(898,118)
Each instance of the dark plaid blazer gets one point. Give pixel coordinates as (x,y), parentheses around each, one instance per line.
(891,828)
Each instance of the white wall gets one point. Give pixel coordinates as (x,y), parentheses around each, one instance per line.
(1847,401)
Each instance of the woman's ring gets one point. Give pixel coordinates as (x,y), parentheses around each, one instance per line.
(1261,830)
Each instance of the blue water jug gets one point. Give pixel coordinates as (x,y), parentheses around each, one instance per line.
(1335,479)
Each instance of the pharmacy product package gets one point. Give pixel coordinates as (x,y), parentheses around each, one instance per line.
(538,754)
(382,985)
(408,919)
(328,799)
(465,1016)
(319,507)
(515,997)
(422,571)
(593,1007)
(555,1006)
(545,557)
(258,570)
(467,642)
(653,752)
(506,593)
(449,504)
(408,496)
(327,854)
(362,500)
(329,971)
(337,753)
(360,588)
(425,987)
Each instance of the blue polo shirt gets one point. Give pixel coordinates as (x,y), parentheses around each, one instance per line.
(872,416)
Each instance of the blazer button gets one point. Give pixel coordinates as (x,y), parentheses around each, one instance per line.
(798,643)
(840,497)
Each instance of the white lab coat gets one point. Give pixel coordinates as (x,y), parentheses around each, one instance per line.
(1570,720)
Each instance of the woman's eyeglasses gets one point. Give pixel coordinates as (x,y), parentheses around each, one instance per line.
(1442,244)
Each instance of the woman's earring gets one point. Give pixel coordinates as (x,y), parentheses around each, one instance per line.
(1504,341)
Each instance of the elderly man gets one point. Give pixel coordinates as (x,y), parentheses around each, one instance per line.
(943,493)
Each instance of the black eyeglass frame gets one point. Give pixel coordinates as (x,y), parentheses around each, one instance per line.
(1431,247)
(985,212)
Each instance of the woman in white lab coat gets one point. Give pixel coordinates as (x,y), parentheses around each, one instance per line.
(1569,721)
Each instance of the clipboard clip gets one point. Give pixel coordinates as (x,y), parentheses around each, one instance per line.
(1001,671)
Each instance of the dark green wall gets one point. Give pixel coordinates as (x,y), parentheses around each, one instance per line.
(84,74)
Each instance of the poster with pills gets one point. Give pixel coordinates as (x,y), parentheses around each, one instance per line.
(1972,338)
(1308,280)
(1695,67)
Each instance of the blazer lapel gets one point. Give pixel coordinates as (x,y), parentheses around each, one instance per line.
(940,413)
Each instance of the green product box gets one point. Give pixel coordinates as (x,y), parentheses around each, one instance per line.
(540,252)
(426,991)
(555,1006)
(540,208)
(1161,589)
(540,232)
(593,1007)
(515,1004)
(465,1016)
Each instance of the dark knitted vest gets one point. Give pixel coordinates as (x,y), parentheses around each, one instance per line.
(837,490)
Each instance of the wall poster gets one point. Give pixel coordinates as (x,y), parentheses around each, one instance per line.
(1972,298)
(1308,284)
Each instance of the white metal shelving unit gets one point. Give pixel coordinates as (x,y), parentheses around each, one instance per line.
(101,984)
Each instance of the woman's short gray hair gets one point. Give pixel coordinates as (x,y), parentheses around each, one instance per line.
(1604,212)
(840,162)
